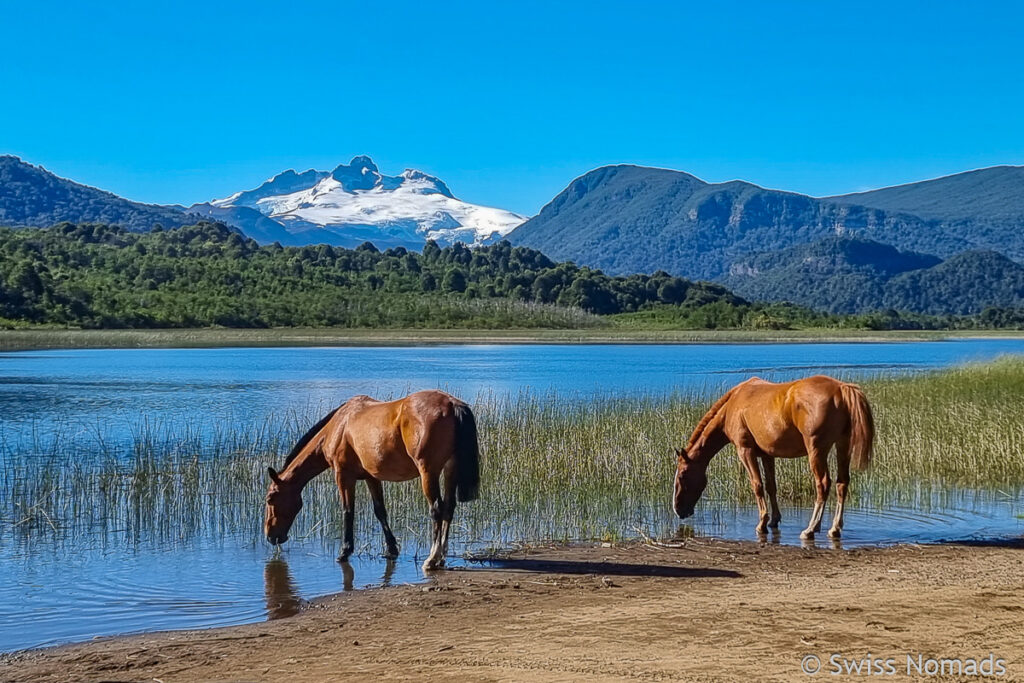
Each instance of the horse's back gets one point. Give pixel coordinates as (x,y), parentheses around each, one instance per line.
(391,438)
(430,404)
(778,416)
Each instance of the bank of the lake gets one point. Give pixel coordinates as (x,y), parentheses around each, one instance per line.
(697,610)
(60,338)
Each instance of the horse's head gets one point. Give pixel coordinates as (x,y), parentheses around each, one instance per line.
(284,500)
(691,478)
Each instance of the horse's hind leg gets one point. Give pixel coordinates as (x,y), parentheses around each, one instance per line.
(842,485)
(449,501)
(772,489)
(432,490)
(377,494)
(817,458)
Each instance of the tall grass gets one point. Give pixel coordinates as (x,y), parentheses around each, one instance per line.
(552,467)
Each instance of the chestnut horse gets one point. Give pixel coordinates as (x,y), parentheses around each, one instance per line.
(421,435)
(765,421)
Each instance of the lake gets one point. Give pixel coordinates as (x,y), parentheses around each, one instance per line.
(61,590)
(110,392)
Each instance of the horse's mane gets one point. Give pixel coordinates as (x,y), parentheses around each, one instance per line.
(308,436)
(708,417)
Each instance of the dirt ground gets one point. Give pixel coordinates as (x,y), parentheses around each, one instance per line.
(699,610)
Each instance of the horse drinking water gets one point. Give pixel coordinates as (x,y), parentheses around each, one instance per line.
(421,435)
(765,421)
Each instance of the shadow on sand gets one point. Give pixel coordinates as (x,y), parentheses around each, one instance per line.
(1015,542)
(575,567)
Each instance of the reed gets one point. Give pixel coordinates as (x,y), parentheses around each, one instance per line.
(553,468)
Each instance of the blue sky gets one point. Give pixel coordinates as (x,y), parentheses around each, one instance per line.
(185,101)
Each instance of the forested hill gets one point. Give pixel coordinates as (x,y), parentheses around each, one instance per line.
(851,275)
(987,196)
(208,274)
(32,196)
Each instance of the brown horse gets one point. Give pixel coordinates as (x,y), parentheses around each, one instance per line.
(421,435)
(765,421)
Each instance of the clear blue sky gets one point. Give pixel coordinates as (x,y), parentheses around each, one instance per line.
(184,101)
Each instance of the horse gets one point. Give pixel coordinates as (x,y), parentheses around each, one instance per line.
(764,421)
(422,435)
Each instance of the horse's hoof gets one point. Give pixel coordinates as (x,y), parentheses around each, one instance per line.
(761,531)
(390,553)
(834,533)
(807,535)
(774,524)
(344,556)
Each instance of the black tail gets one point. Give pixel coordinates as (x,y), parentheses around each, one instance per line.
(467,455)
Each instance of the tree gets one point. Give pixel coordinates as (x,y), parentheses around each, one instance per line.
(454,280)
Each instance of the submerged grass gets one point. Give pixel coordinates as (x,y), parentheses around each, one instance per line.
(553,468)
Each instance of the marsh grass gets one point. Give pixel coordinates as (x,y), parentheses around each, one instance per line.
(553,468)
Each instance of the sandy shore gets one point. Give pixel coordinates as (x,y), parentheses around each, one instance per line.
(701,610)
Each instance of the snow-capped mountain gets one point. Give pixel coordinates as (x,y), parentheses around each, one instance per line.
(356,203)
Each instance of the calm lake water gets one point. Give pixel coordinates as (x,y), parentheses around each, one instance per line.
(53,592)
(109,392)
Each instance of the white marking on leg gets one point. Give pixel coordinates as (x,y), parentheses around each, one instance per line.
(815,523)
(837,523)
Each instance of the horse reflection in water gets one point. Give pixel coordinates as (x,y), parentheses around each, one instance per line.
(279,588)
(282,595)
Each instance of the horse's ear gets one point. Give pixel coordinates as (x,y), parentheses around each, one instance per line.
(681,452)
(273,475)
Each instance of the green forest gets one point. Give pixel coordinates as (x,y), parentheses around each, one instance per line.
(100,276)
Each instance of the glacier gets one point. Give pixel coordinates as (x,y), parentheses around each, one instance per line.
(356,203)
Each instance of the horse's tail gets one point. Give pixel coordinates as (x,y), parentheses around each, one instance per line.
(862,426)
(467,454)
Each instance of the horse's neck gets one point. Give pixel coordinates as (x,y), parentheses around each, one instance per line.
(307,464)
(711,442)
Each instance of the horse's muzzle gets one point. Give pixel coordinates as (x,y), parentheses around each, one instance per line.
(276,539)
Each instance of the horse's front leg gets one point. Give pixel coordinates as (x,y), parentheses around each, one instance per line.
(432,490)
(347,490)
(817,458)
(748,456)
(771,487)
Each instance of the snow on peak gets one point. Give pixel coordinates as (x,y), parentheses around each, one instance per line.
(283,183)
(355,203)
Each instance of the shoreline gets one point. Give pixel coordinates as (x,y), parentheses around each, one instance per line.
(697,610)
(61,339)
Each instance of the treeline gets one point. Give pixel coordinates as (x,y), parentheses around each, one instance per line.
(101,276)
(787,316)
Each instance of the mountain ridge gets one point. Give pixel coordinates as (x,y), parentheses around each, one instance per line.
(32,196)
(626,218)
